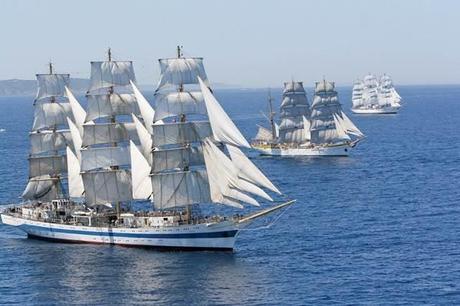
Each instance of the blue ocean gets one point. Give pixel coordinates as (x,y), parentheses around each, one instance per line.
(378,227)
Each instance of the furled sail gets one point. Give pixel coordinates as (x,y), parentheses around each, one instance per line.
(110,74)
(181,71)
(294,107)
(52,86)
(223,128)
(325,105)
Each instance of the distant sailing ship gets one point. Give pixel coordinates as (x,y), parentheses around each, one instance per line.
(179,156)
(373,97)
(321,129)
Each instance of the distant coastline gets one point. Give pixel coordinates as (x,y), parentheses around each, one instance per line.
(21,88)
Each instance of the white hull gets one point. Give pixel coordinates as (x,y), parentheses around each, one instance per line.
(220,236)
(383,110)
(340,150)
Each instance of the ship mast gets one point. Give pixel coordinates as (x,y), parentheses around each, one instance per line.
(271,115)
(104,157)
(114,144)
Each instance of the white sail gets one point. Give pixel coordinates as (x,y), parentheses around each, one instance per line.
(350,126)
(42,188)
(223,176)
(108,186)
(263,134)
(325,105)
(294,107)
(47,165)
(147,112)
(104,157)
(249,171)
(76,138)
(51,86)
(50,115)
(177,158)
(357,95)
(49,141)
(181,71)
(306,129)
(79,114)
(341,130)
(145,138)
(111,74)
(175,189)
(180,132)
(294,87)
(108,133)
(100,106)
(277,130)
(223,128)
(398,98)
(76,188)
(178,103)
(140,171)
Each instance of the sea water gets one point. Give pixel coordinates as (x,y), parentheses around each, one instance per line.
(378,227)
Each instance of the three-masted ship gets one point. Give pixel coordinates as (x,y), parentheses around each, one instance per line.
(321,129)
(371,96)
(181,158)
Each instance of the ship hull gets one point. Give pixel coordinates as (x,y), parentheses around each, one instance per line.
(214,236)
(383,110)
(339,150)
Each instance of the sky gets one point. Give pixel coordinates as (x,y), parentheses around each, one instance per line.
(248,43)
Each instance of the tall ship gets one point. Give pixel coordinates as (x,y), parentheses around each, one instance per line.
(139,175)
(321,129)
(371,96)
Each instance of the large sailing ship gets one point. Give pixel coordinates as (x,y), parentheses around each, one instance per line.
(183,156)
(321,129)
(373,97)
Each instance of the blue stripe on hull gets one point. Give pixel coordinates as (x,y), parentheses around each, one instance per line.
(224,234)
(154,247)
